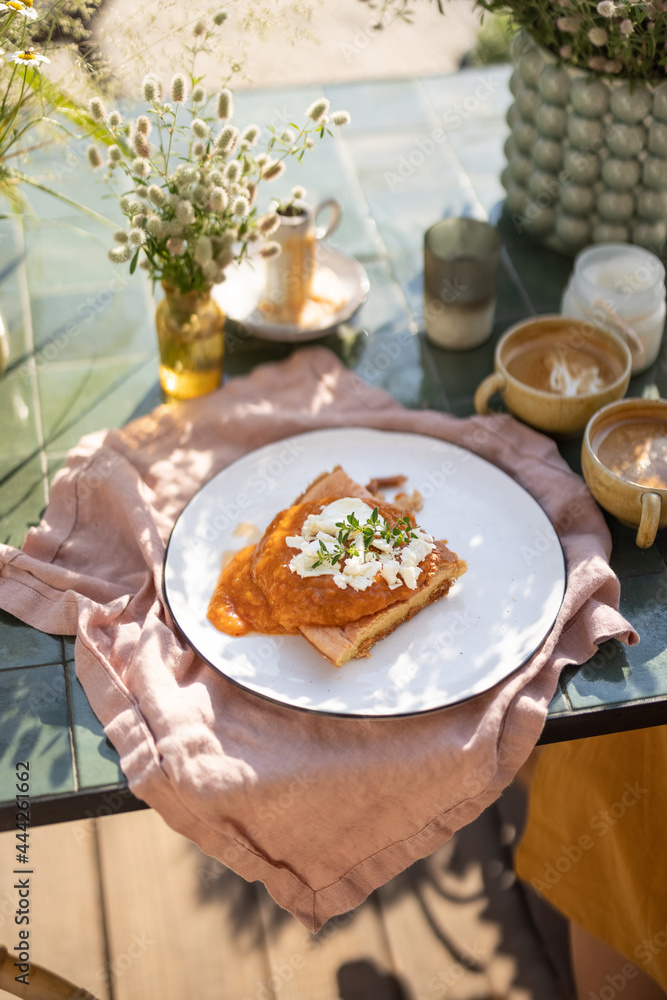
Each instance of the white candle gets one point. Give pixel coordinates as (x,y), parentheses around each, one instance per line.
(620,287)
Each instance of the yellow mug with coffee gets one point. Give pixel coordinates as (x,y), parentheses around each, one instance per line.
(624,462)
(554,373)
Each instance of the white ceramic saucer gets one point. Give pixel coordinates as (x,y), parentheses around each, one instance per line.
(240,295)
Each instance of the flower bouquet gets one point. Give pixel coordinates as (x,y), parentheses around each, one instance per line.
(609,37)
(189,180)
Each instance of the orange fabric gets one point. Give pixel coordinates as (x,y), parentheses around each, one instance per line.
(594,844)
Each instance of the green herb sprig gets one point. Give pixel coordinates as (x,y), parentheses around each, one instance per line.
(399,535)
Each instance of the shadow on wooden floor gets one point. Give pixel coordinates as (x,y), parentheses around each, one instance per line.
(130,910)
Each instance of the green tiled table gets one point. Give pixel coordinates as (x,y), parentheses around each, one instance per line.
(83,357)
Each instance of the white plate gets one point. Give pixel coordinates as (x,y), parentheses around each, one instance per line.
(491,622)
(240,294)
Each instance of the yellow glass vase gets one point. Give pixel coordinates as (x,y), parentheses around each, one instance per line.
(190,331)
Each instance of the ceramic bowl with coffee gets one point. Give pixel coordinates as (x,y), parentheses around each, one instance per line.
(554,373)
(624,462)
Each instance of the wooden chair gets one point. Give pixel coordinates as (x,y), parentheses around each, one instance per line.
(43,985)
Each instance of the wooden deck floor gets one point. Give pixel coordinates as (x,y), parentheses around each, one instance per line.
(130,910)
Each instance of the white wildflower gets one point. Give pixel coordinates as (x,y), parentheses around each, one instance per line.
(178,89)
(186,174)
(198,95)
(27,57)
(613,66)
(120,254)
(268,223)
(185,213)
(340,118)
(150,88)
(598,36)
(211,272)
(606,8)
(23,7)
(97,110)
(200,194)
(175,246)
(141,145)
(172,227)
(199,149)
(626,27)
(203,250)
(226,140)
(218,199)
(232,172)
(136,237)
(199,128)
(271,249)
(228,239)
(274,170)
(219,17)
(318,109)
(94,158)
(250,136)
(143,125)
(240,206)
(115,154)
(224,258)
(114,120)
(120,236)
(155,226)
(570,25)
(140,167)
(225,104)
(156,195)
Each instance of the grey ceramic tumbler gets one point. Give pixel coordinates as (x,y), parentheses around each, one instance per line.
(460,267)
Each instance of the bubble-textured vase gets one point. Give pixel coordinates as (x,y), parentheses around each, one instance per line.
(587,155)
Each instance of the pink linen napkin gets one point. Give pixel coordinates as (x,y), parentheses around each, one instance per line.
(322,810)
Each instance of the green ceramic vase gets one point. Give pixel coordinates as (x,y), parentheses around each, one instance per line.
(587,155)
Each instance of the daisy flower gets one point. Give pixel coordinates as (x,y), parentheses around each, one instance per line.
(28,57)
(23,7)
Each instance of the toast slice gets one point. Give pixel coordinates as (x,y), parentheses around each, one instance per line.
(338,644)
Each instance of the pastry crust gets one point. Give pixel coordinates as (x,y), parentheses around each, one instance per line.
(339,644)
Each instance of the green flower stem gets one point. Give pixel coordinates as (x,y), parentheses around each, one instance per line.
(16,109)
(63,197)
(171,136)
(17,136)
(7,23)
(14,70)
